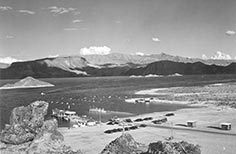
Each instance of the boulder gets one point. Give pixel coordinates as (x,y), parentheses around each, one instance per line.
(28,133)
(125,144)
(173,148)
(11,148)
(25,123)
(49,140)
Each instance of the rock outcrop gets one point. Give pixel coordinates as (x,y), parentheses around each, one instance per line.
(173,148)
(125,144)
(25,123)
(49,140)
(28,133)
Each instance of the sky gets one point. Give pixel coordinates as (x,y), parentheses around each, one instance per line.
(32,29)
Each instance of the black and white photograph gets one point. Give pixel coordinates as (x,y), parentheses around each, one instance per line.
(117,76)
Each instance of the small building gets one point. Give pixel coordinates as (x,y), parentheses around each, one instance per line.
(225,126)
(191,123)
(91,122)
(69,114)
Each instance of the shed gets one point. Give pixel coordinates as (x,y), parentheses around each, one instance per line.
(191,123)
(91,122)
(225,126)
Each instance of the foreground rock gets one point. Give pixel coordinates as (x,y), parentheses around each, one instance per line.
(25,123)
(125,144)
(173,148)
(28,133)
(50,141)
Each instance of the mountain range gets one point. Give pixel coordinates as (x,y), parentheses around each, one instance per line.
(115,64)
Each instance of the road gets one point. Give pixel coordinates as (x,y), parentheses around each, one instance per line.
(191,129)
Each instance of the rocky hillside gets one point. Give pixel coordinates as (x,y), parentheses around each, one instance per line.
(125,144)
(170,67)
(27,82)
(119,58)
(28,133)
(43,68)
(3,65)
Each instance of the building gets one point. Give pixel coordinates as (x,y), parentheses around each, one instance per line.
(225,126)
(191,123)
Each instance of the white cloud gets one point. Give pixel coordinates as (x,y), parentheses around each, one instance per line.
(8,60)
(221,55)
(5,8)
(9,37)
(118,21)
(27,11)
(204,56)
(155,39)
(95,50)
(230,32)
(70,29)
(140,53)
(61,10)
(76,13)
(76,21)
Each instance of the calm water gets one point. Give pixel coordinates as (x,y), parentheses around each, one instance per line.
(105,92)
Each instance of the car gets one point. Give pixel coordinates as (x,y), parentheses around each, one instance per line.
(138,120)
(143,125)
(108,131)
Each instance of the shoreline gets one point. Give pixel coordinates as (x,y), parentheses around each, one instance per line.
(25,87)
(208,116)
(207,132)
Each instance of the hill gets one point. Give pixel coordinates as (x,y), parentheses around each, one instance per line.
(45,68)
(170,67)
(119,59)
(27,82)
(114,65)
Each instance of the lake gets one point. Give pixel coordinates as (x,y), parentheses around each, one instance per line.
(109,93)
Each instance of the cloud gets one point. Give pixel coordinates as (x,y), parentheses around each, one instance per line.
(118,21)
(141,54)
(70,29)
(230,32)
(95,50)
(76,21)
(27,12)
(221,55)
(204,56)
(9,37)
(8,60)
(5,8)
(155,39)
(61,10)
